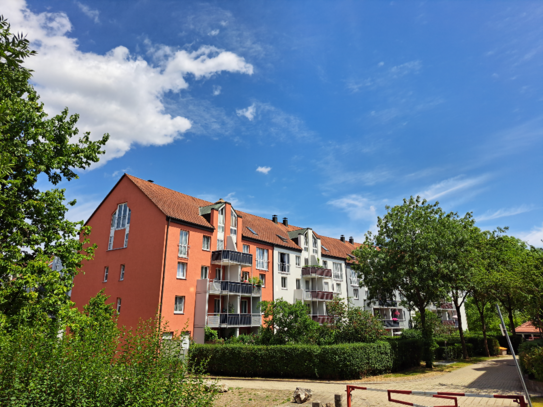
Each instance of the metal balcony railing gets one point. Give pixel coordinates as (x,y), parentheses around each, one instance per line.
(389,323)
(233,320)
(318,295)
(316,271)
(232,287)
(284,268)
(321,319)
(231,257)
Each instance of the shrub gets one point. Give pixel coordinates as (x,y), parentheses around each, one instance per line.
(406,353)
(210,334)
(453,351)
(531,358)
(411,334)
(474,343)
(516,340)
(345,361)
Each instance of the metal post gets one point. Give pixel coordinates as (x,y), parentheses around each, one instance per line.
(514,357)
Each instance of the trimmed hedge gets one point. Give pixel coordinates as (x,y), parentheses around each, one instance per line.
(345,361)
(516,340)
(477,347)
(406,353)
(531,358)
(453,351)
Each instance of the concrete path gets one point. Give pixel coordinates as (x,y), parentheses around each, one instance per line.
(496,376)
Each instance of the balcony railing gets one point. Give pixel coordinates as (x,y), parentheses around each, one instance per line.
(338,275)
(231,257)
(316,271)
(390,323)
(284,268)
(318,295)
(233,287)
(231,320)
(388,304)
(321,319)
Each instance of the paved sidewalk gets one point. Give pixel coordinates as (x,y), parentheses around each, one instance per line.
(496,376)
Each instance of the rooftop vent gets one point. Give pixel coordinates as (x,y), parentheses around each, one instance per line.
(252,231)
(150,180)
(274,218)
(282,238)
(285,221)
(342,238)
(351,240)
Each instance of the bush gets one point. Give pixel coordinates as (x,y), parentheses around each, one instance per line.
(210,335)
(516,340)
(531,358)
(345,361)
(475,346)
(406,353)
(453,351)
(411,334)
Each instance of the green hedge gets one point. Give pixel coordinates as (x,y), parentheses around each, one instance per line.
(531,358)
(345,361)
(477,345)
(406,353)
(453,351)
(516,340)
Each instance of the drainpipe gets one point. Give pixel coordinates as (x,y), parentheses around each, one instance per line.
(347,286)
(164,272)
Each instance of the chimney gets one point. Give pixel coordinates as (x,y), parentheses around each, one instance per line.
(351,240)
(274,218)
(285,221)
(342,238)
(150,180)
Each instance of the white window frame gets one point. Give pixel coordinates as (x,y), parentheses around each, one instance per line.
(106,274)
(262,279)
(206,273)
(356,293)
(233,223)
(298,284)
(338,288)
(246,248)
(181,270)
(215,307)
(241,307)
(325,264)
(306,262)
(315,246)
(179,306)
(337,271)
(183,244)
(285,281)
(326,286)
(220,244)
(121,277)
(126,239)
(221,219)
(284,267)
(261,259)
(218,273)
(298,261)
(118,308)
(306,243)
(245,276)
(206,243)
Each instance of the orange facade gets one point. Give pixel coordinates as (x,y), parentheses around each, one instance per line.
(154,236)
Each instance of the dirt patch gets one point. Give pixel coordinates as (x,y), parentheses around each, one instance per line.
(238,397)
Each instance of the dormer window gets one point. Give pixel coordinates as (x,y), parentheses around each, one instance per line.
(233,223)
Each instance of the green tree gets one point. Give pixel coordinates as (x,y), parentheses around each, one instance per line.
(287,323)
(410,254)
(33,228)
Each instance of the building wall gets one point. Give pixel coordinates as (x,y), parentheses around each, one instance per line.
(295,272)
(140,290)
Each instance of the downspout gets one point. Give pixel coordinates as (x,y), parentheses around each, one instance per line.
(347,286)
(164,272)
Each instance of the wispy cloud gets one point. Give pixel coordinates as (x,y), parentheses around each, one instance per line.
(502,213)
(533,237)
(119,172)
(384,77)
(92,14)
(213,32)
(356,206)
(451,186)
(216,90)
(263,170)
(248,112)
(515,139)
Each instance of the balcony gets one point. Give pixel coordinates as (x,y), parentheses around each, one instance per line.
(445,305)
(233,287)
(390,323)
(231,257)
(451,322)
(318,295)
(283,268)
(387,304)
(321,319)
(233,320)
(316,271)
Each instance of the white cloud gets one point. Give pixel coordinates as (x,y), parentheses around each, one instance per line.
(356,207)
(117,93)
(92,14)
(248,112)
(263,170)
(216,90)
(502,213)
(533,237)
(214,32)
(386,77)
(451,186)
(82,210)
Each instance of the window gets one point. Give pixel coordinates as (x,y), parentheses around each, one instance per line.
(325,248)
(326,286)
(205,272)
(206,243)
(306,244)
(122,273)
(306,262)
(356,295)
(221,220)
(246,248)
(217,306)
(233,223)
(110,243)
(218,274)
(337,272)
(220,244)
(252,231)
(315,247)
(298,284)
(184,244)
(284,283)
(179,305)
(298,261)
(263,280)
(338,288)
(307,285)
(283,239)
(121,218)
(118,305)
(261,259)
(106,272)
(354,277)
(244,306)
(284,263)
(325,264)
(245,276)
(182,270)
(126,239)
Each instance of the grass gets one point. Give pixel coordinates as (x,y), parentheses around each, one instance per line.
(537,401)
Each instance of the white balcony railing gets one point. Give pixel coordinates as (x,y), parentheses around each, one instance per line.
(337,275)
(284,268)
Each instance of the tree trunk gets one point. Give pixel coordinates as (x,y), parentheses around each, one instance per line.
(482,315)
(510,312)
(426,339)
(460,330)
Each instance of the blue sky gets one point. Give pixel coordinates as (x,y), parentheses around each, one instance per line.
(322,112)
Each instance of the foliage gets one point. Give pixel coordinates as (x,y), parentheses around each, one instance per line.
(475,344)
(210,335)
(531,358)
(33,228)
(492,320)
(255,281)
(352,324)
(345,361)
(411,334)
(533,275)
(434,323)
(244,339)
(406,352)
(286,323)
(410,253)
(96,365)
(516,341)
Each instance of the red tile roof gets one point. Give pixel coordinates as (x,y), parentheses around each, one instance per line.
(336,247)
(527,328)
(173,203)
(267,231)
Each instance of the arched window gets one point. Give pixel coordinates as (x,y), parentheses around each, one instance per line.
(120,220)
